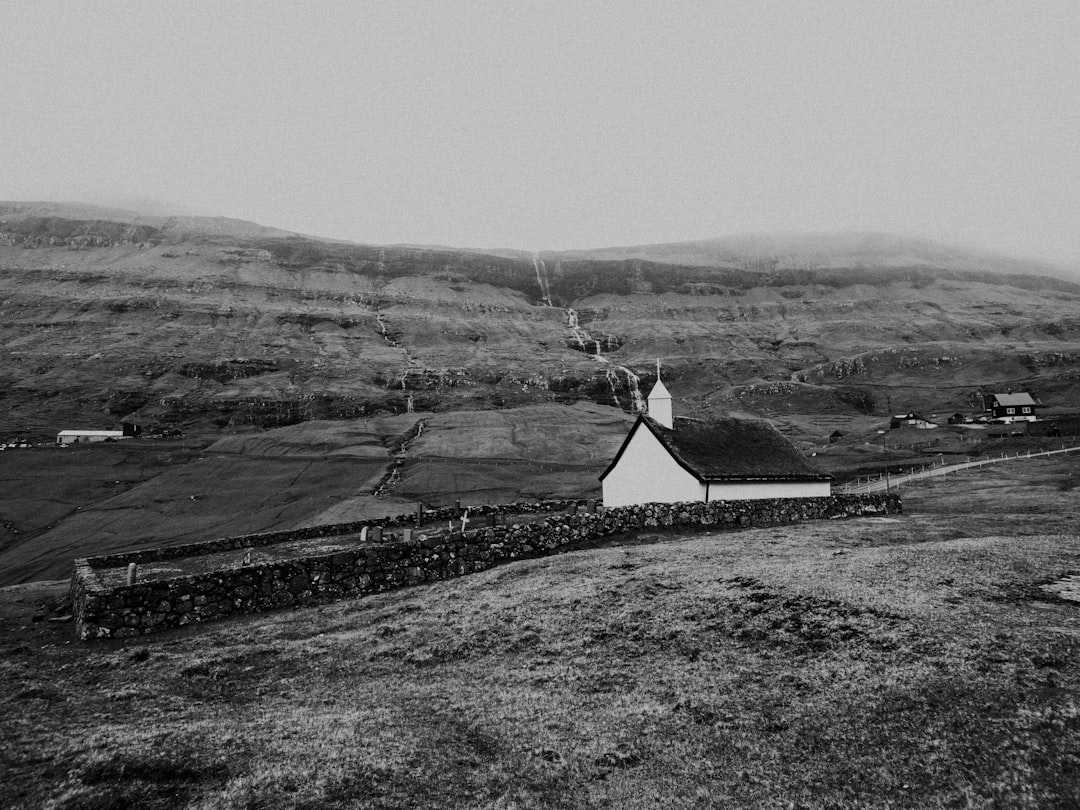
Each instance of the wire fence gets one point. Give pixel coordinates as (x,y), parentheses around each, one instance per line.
(886,481)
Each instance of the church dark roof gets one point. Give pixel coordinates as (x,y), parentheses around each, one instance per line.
(728,449)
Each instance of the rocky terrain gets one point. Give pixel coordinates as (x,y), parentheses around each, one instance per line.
(214,324)
(220,329)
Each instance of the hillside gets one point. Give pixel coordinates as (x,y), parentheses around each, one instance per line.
(770,252)
(216,329)
(61,503)
(213,323)
(910,663)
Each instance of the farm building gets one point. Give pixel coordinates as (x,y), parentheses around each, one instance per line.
(666,460)
(77,436)
(911,420)
(1011,407)
(80,436)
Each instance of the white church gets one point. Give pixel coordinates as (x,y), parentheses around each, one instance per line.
(664,460)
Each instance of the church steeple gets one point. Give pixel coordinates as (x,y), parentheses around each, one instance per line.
(660,403)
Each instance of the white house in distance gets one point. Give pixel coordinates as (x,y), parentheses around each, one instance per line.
(912,420)
(724,460)
(77,436)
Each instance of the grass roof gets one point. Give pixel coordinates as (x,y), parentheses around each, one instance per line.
(729,448)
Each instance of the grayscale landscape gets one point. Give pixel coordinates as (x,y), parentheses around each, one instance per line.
(382,289)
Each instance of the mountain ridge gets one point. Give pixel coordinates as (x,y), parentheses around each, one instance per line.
(227,324)
(816,250)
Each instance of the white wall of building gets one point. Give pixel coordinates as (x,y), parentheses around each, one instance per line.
(75,436)
(1008,420)
(646,473)
(754,491)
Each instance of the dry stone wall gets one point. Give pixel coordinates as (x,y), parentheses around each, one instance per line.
(129,610)
(398,522)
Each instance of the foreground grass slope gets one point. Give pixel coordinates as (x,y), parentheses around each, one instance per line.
(893,663)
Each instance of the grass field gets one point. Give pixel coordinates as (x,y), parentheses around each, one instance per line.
(909,662)
(87,500)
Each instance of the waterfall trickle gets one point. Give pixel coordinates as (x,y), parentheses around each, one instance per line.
(541,279)
(579,334)
(613,379)
(384,331)
(636,398)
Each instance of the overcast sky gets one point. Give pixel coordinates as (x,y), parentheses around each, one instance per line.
(557,124)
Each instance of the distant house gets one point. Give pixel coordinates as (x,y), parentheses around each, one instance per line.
(1010,408)
(77,436)
(664,460)
(80,436)
(911,420)
(835,436)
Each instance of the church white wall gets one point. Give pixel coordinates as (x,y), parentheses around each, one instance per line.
(646,473)
(752,491)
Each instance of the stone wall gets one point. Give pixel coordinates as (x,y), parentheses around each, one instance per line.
(118,612)
(442,514)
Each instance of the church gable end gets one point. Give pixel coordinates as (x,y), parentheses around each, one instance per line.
(644,470)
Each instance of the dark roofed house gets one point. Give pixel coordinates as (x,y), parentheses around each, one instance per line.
(670,460)
(1012,407)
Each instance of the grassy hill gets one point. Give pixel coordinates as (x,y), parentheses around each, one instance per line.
(865,250)
(911,662)
(84,500)
(221,333)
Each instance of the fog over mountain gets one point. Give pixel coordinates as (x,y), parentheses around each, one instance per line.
(558,126)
